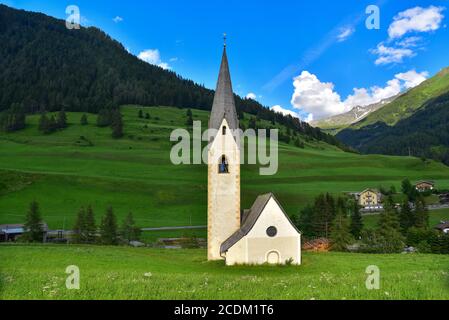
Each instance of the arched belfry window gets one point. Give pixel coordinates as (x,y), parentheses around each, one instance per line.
(223,166)
(224,130)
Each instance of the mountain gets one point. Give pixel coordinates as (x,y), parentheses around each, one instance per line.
(354,115)
(45,66)
(408,103)
(416,123)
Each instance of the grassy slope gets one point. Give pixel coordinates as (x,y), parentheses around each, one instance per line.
(408,103)
(38,272)
(135,173)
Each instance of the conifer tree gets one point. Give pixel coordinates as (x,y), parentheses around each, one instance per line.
(13,119)
(44,123)
(33,224)
(389,229)
(189,121)
(129,230)
(52,124)
(406,218)
(79,229)
(61,121)
(91,229)
(108,228)
(104,118)
(356,220)
(340,236)
(140,114)
(117,125)
(421,214)
(83,120)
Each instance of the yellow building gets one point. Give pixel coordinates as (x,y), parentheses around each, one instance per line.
(369,198)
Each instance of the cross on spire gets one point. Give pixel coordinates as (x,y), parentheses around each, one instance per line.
(224,39)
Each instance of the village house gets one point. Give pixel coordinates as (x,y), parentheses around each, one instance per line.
(370,199)
(262,234)
(423,186)
(10,232)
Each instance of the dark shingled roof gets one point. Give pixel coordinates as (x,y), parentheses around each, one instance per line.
(224,103)
(249,219)
(443,225)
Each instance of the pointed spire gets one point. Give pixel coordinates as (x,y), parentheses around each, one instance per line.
(224,103)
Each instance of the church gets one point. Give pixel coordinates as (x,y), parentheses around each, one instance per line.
(264,233)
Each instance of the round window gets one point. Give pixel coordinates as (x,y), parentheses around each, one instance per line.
(272,232)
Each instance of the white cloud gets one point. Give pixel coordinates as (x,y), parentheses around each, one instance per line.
(416,19)
(409,42)
(316,97)
(152,56)
(345,33)
(117,19)
(363,97)
(251,95)
(412,78)
(174,59)
(319,100)
(387,55)
(279,109)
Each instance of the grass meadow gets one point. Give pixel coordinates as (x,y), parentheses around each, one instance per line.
(38,272)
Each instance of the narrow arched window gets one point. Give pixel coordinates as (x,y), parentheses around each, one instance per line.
(224,130)
(223,166)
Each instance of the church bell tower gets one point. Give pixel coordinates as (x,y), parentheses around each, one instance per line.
(223,208)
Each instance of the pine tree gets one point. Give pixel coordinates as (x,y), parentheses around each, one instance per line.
(108,228)
(44,123)
(305,222)
(83,120)
(52,124)
(323,214)
(356,220)
(147,116)
(33,224)
(340,236)
(421,214)
(117,125)
(406,218)
(129,230)
(189,121)
(104,118)
(79,229)
(389,229)
(91,229)
(61,121)
(140,114)
(13,119)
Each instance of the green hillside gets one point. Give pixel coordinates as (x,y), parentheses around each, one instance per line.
(83,165)
(408,103)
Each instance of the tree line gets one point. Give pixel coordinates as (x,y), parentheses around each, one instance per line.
(85,230)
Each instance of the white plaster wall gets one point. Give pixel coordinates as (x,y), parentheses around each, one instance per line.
(223,192)
(254,247)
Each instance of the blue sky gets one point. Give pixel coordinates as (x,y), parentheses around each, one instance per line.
(325,45)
